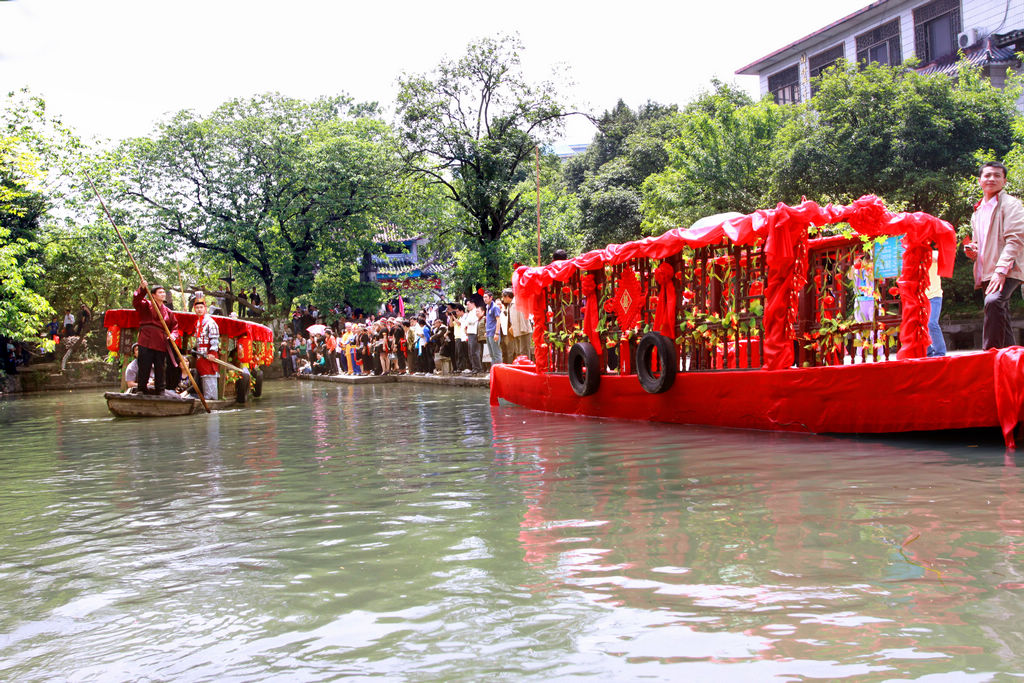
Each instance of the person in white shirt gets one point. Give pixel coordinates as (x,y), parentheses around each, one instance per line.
(997,230)
(131,373)
(469,325)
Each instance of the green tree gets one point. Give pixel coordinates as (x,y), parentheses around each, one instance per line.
(629,147)
(23,310)
(274,185)
(896,133)
(720,160)
(559,219)
(471,127)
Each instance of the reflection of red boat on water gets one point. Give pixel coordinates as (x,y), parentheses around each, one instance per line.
(247,345)
(748,322)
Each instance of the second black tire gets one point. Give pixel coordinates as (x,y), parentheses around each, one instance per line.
(584,369)
(656,383)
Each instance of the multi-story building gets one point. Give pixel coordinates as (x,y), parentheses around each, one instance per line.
(988,32)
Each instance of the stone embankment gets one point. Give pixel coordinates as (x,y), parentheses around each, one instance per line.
(98,374)
(89,374)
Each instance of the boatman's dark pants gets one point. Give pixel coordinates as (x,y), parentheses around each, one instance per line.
(155,362)
(996,332)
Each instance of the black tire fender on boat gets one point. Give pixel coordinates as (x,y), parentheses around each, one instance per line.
(584,369)
(241,389)
(666,349)
(257,382)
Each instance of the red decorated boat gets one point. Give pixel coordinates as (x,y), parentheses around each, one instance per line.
(783,319)
(244,344)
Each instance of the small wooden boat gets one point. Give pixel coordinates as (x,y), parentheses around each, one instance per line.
(246,343)
(141,405)
(756,322)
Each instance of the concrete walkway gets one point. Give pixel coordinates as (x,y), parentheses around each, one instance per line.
(446,380)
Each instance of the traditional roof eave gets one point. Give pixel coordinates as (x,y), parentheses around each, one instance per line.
(754,68)
(984,54)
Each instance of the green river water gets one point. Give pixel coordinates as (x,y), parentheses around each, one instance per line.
(411,533)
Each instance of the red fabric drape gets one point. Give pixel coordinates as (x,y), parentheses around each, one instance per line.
(913,281)
(953,392)
(785,230)
(244,351)
(113,339)
(665,311)
(229,327)
(590,313)
(1009,385)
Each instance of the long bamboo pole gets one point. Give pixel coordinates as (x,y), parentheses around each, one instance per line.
(538,206)
(152,298)
(229,366)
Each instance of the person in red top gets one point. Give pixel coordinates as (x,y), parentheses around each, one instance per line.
(331,342)
(207,336)
(152,339)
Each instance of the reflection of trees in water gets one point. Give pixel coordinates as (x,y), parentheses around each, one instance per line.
(824,547)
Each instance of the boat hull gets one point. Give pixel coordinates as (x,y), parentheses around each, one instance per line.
(927,394)
(140,405)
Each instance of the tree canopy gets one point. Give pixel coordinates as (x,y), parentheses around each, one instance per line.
(471,127)
(274,185)
(719,160)
(891,131)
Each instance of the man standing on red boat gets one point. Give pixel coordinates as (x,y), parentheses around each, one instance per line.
(207,336)
(153,350)
(997,230)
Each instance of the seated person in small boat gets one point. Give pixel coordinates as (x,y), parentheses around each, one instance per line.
(131,373)
(184,385)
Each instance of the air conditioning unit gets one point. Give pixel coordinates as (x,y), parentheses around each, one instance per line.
(967,38)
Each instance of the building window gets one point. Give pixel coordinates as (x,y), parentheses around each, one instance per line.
(881,44)
(822,61)
(936,26)
(785,85)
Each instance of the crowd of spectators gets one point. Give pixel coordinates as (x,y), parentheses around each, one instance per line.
(458,337)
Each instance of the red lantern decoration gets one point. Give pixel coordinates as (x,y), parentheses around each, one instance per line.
(244,350)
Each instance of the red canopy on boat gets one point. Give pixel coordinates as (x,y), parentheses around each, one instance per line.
(782,229)
(127,318)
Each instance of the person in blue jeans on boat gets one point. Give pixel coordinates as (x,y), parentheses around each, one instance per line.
(934,296)
(493,327)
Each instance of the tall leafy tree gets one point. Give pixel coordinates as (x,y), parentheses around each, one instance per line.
(273,185)
(22,309)
(471,127)
(719,160)
(896,133)
(629,147)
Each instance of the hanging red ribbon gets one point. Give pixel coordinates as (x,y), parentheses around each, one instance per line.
(665,311)
(1009,369)
(244,351)
(590,313)
(914,337)
(114,339)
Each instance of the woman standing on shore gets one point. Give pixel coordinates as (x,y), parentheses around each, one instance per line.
(153,356)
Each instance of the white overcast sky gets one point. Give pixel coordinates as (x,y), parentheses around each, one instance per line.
(113,68)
